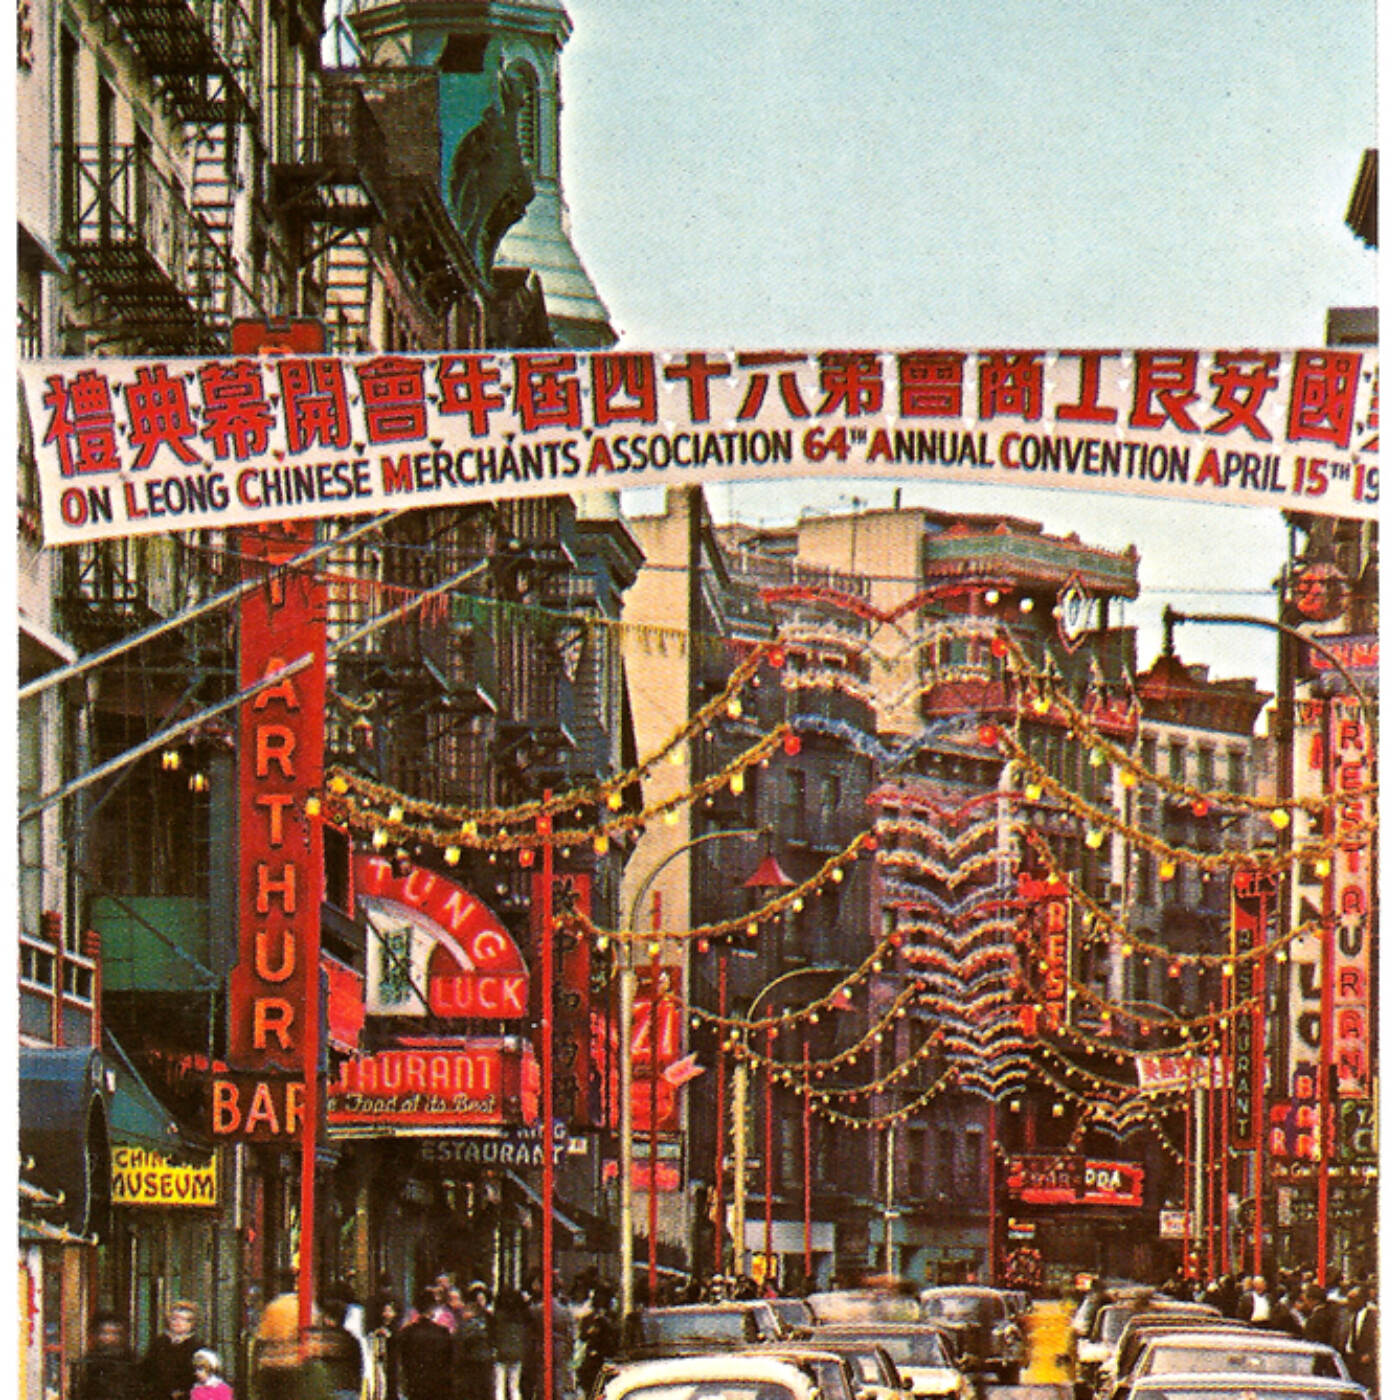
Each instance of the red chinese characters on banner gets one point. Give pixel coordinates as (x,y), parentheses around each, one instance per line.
(280,762)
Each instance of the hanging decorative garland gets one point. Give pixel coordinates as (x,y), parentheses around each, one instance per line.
(1102,922)
(1101,819)
(440,815)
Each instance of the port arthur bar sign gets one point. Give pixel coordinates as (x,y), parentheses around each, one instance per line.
(275,986)
(132,446)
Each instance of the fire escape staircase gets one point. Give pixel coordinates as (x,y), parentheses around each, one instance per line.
(157,254)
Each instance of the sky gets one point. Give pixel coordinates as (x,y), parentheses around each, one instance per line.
(1048,173)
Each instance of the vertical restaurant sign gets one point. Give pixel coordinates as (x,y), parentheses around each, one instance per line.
(1048,946)
(280,758)
(1250,894)
(1353,770)
(145,446)
(434,948)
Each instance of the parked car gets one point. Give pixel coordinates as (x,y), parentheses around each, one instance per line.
(1139,1329)
(699,1326)
(794,1314)
(1020,1301)
(722,1376)
(877,1376)
(863,1305)
(834,1374)
(1235,1387)
(988,1337)
(920,1351)
(1096,1350)
(1248,1352)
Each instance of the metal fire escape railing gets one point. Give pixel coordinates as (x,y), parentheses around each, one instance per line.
(131,234)
(203,54)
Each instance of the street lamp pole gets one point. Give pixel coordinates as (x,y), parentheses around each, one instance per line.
(1326,1048)
(626,1002)
(740,1203)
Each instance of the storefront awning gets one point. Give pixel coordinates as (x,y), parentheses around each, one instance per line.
(136,1117)
(63,1134)
(578,1231)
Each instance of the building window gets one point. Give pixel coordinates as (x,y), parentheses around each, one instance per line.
(796,804)
(916,1163)
(1205,767)
(523,86)
(1176,762)
(1236,770)
(831,803)
(1149,753)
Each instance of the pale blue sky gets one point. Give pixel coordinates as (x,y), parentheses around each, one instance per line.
(970,172)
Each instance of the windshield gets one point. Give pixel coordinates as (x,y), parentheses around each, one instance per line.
(964,1307)
(1187,1391)
(1188,1360)
(1110,1323)
(727,1326)
(710,1390)
(860,1307)
(915,1349)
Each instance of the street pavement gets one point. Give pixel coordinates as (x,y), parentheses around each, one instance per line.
(1045,1377)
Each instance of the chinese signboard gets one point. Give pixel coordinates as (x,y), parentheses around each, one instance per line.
(435,949)
(1176,1072)
(138,447)
(144,1178)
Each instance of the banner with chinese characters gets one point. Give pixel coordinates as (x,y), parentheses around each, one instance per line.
(145,446)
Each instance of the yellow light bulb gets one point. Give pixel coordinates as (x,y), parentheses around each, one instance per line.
(1280,818)
(313,806)
(452,854)
(736,784)
(615,801)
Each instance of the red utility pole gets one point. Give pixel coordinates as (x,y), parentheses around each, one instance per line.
(1189,1232)
(1211,1157)
(991,1194)
(768,1164)
(545,828)
(1324,1054)
(719,1111)
(654,1139)
(806,1158)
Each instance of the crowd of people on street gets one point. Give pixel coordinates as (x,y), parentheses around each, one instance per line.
(452,1342)
(1345,1317)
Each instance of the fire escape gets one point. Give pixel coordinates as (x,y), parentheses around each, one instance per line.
(366,231)
(157,253)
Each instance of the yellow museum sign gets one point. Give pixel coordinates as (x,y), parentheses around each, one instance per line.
(144,1178)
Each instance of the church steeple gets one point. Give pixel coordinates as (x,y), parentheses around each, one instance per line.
(498,62)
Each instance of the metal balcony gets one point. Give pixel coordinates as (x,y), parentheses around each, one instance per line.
(132,237)
(336,172)
(203,54)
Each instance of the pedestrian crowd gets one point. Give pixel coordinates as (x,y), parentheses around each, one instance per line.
(1344,1316)
(453,1342)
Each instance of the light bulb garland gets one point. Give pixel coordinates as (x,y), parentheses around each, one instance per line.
(443,814)
(1261,858)
(1102,923)
(466,828)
